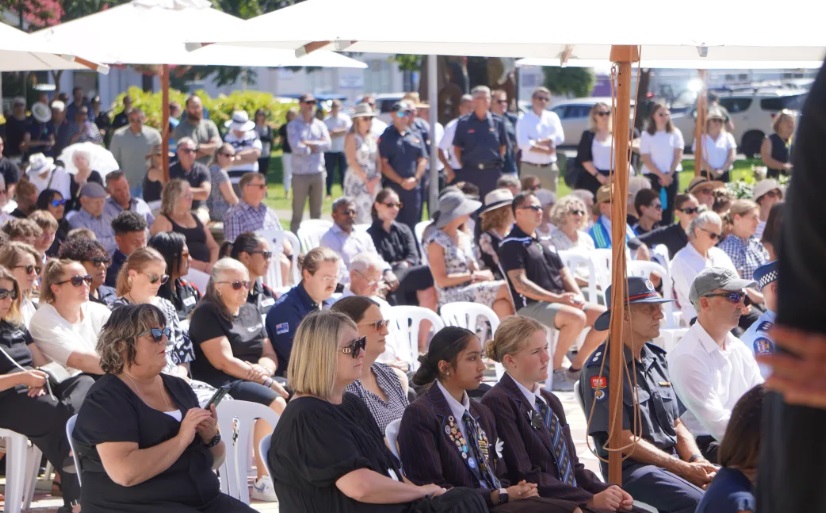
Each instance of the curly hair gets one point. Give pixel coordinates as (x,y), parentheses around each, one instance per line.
(128,222)
(117,340)
(81,249)
(19,229)
(497,218)
(565,206)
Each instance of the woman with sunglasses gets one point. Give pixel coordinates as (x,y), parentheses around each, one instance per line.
(221,196)
(447,439)
(232,350)
(324,455)
(176,216)
(594,150)
(94,258)
(66,325)
(661,148)
(397,246)
(161,453)
(383,389)
(52,201)
(719,148)
(569,218)
(23,261)
(178,291)
(252,250)
(675,236)
(29,405)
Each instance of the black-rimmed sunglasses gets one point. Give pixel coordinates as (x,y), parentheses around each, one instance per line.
(689,210)
(266,254)
(98,261)
(535,208)
(354,347)
(237,284)
(29,268)
(713,235)
(77,281)
(731,297)
(376,325)
(6,293)
(157,333)
(155,278)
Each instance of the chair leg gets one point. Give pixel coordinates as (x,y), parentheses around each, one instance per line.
(16,451)
(33,457)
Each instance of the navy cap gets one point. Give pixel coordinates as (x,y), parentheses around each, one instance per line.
(766,274)
(638,290)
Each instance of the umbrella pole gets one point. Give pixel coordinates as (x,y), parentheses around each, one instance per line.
(165,121)
(700,125)
(433,98)
(623,56)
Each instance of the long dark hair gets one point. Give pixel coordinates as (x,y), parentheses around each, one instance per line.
(652,122)
(445,346)
(354,307)
(774,225)
(171,246)
(45,197)
(246,242)
(741,443)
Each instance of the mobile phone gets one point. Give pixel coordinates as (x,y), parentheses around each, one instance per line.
(216,398)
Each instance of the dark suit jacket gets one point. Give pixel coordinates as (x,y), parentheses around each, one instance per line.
(528,452)
(430,456)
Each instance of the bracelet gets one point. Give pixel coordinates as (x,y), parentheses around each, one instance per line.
(268,382)
(215,441)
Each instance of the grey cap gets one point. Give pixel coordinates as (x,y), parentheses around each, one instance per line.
(714,278)
(93,190)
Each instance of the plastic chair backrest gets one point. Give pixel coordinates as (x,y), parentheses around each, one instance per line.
(659,254)
(573,258)
(198,278)
(419,233)
(310,236)
(601,258)
(405,322)
(465,314)
(70,430)
(264,450)
(236,420)
(276,239)
(22,465)
(391,433)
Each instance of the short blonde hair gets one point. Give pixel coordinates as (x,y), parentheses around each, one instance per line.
(592,115)
(44,220)
(563,207)
(312,366)
(782,116)
(511,336)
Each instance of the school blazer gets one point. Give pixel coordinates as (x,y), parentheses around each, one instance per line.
(528,452)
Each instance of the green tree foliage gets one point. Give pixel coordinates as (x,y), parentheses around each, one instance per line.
(577,82)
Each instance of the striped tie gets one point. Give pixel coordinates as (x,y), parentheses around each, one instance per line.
(561,454)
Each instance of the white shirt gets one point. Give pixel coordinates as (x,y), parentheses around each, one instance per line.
(57,338)
(377,127)
(685,266)
(438,135)
(603,157)
(446,143)
(715,151)
(334,123)
(348,245)
(709,379)
(456,408)
(531,127)
(248,140)
(60,182)
(661,147)
(531,395)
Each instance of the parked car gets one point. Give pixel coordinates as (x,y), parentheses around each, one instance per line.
(751,114)
(384,104)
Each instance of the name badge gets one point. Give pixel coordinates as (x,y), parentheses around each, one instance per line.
(268,302)
(189,301)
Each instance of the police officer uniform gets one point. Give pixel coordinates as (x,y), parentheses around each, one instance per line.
(481,141)
(261,296)
(403,151)
(757,337)
(659,408)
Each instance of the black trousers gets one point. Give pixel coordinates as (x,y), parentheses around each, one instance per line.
(708,447)
(485,179)
(412,280)
(333,161)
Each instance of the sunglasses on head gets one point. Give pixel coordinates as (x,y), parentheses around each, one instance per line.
(731,297)
(354,347)
(6,293)
(58,202)
(100,260)
(713,235)
(690,210)
(157,333)
(238,284)
(155,278)
(77,281)
(266,254)
(29,268)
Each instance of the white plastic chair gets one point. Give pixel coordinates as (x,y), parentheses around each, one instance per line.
(276,239)
(466,315)
(236,420)
(264,450)
(310,234)
(659,254)
(419,233)
(404,322)
(22,464)
(70,430)
(672,332)
(602,261)
(572,259)
(391,433)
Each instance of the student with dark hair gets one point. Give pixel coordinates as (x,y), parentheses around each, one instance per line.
(183,294)
(253,251)
(649,211)
(94,258)
(52,201)
(130,234)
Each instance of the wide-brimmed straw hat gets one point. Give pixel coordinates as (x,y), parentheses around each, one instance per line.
(497,198)
(363,110)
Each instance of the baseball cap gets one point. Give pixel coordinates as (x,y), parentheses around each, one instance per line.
(714,278)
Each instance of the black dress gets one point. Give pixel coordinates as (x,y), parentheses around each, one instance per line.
(315,443)
(399,249)
(112,412)
(195,238)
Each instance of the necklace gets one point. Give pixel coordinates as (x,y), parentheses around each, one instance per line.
(160,388)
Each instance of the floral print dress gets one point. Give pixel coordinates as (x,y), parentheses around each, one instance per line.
(459,259)
(366,151)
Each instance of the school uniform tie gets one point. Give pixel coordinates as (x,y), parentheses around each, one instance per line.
(561,455)
(488,479)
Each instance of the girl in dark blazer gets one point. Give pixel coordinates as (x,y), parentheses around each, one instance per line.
(449,440)
(527,418)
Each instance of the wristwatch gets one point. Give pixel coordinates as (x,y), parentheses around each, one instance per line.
(503,496)
(215,441)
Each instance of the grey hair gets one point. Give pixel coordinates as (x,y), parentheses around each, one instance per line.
(480,89)
(117,340)
(82,153)
(219,270)
(363,262)
(701,221)
(344,200)
(187,141)
(466,98)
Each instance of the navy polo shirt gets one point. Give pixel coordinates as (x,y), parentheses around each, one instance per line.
(402,151)
(729,492)
(118,259)
(537,257)
(283,320)
(261,296)
(480,139)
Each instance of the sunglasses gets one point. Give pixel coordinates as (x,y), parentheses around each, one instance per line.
(227,154)
(535,208)
(690,210)
(603,113)
(311,102)
(715,120)
(377,325)
(155,278)
(266,254)
(774,194)
(29,268)
(98,261)
(260,186)
(238,284)
(393,205)
(534,188)
(354,347)
(731,297)
(713,235)
(349,212)
(658,206)
(578,212)
(157,334)
(502,101)
(77,281)
(187,150)
(58,202)
(6,293)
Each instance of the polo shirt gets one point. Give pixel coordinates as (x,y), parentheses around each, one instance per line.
(402,150)
(130,151)
(261,297)
(196,177)
(247,141)
(112,209)
(283,319)
(480,139)
(537,256)
(201,132)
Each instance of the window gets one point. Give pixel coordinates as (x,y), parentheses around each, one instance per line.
(793,102)
(734,105)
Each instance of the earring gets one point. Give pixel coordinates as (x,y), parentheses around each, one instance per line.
(447,373)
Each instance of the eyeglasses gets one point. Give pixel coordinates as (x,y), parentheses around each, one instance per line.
(689,210)
(377,325)
(311,102)
(6,293)
(227,154)
(237,284)
(656,206)
(58,203)
(157,333)
(187,150)
(260,186)
(731,297)
(713,235)
(603,113)
(393,205)
(502,101)
(578,212)
(542,98)
(370,282)
(98,261)
(77,281)
(266,254)
(715,120)
(535,208)
(329,278)
(349,212)
(155,278)
(354,347)
(29,268)
(534,188)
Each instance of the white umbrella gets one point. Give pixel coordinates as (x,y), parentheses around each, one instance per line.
(100,159)
(697,63)
(20,51)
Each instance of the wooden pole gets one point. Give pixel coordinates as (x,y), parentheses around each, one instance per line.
(165,121)
(623,56)
(699,127)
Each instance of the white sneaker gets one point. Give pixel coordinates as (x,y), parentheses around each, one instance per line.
(262,490)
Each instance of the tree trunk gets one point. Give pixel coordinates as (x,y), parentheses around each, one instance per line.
(642,98)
